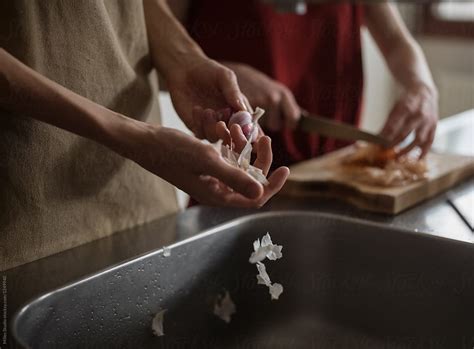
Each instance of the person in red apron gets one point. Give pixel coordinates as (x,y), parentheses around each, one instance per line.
(286,61)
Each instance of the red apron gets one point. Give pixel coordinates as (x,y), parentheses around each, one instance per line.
(318,56)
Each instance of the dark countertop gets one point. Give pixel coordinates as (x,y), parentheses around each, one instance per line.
(435,217)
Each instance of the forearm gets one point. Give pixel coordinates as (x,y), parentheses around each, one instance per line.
(26,92)
(180,9)
(170,45)
(408,65)
(402,53)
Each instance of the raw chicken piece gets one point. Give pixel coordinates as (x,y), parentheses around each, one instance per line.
(374,165)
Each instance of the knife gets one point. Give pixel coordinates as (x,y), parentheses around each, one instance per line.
(329,128)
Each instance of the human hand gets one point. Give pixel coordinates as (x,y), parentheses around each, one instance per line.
(277,100)
(198,169)
(417,111)
(236,139)
(204,83)
(206,121)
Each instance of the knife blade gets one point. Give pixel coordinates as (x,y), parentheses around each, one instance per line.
(329,128)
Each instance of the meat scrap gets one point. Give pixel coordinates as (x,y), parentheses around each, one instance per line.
(374,165)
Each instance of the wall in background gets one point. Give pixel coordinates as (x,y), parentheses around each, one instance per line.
(380,89)
(452,64)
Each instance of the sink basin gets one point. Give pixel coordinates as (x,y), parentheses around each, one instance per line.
(347,284)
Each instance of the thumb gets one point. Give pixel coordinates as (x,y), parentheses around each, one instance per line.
(227,82)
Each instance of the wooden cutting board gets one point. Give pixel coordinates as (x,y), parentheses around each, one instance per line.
(322,177)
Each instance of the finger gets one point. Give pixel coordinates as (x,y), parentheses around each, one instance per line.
(427,145)
(408,126)
(423,132)
(235,178)
(223,133)
(264,155)
(258,133)
(207,190)
(394,122)
(408,148)
(202,188)
(210,191)
(209,125)
(198,121)
(238,138)
(276,182)
(224,114)
(418,141)
(229,87)
(291,110)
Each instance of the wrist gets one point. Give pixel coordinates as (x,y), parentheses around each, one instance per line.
(172,49)
(425,88)
(180,61)
(123,135)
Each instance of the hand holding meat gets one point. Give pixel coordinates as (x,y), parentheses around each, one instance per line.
(416,111)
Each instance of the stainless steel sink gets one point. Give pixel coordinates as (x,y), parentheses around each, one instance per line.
(347,284)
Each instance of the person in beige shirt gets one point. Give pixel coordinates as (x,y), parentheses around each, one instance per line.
(82,154)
